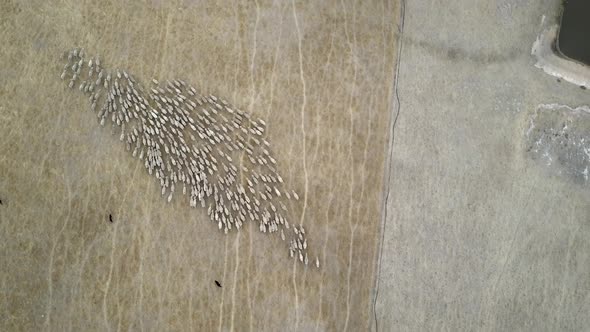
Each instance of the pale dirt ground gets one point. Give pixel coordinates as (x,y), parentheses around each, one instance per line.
(321,76)
(483,233)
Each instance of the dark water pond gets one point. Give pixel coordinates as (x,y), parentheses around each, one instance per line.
(574,34)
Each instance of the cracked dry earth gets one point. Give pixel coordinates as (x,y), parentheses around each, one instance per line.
(89,243)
